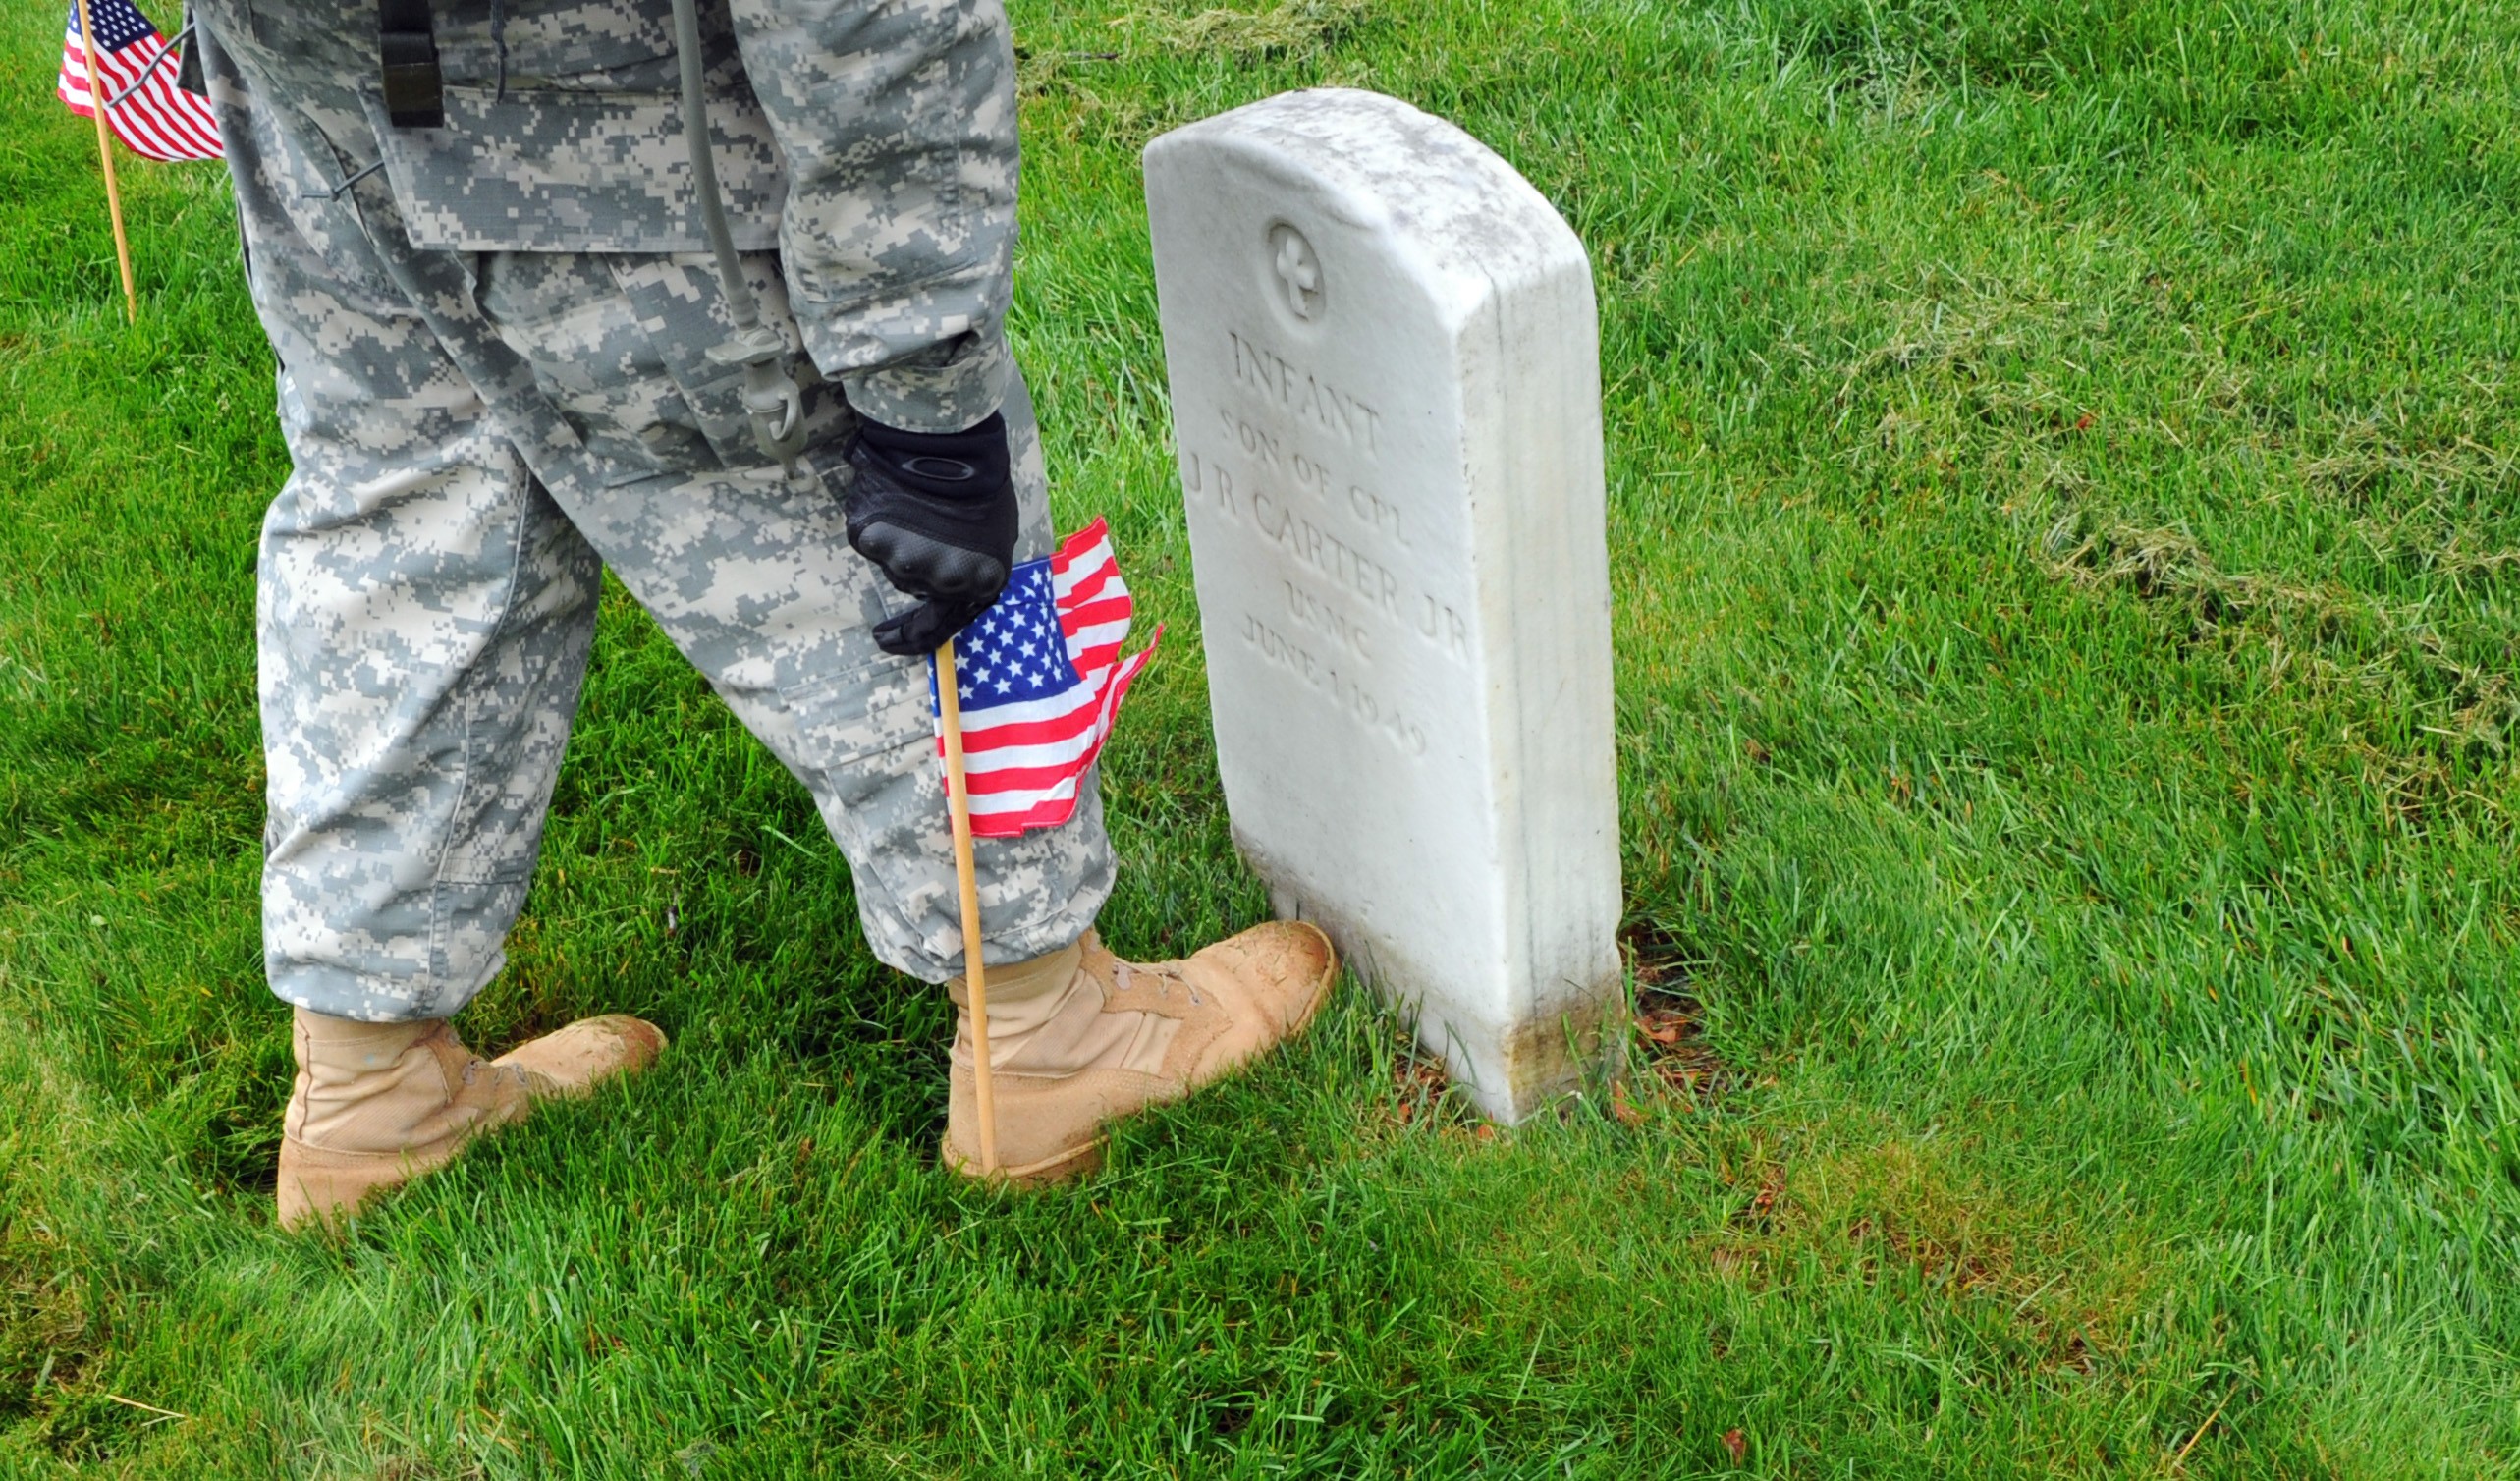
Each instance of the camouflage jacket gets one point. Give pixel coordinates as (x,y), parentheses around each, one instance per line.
(872,142)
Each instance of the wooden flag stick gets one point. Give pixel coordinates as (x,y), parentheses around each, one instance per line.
(975,972)
(105,152)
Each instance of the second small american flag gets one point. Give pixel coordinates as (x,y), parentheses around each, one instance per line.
(1040,679)
(154,117)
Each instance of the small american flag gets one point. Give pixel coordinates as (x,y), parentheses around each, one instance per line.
(1040,678)
(159,120)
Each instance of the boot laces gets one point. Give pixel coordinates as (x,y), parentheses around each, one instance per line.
(1165,976)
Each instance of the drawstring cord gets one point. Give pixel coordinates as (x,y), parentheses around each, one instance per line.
(499,44)
(343,189)
(771,395)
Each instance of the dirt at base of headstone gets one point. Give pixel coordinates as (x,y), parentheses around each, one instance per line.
(1673,1047)
(1420,1096)
(1671,1027)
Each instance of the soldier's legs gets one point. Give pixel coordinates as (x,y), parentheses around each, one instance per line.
(753,578)
(395,645)
(423,619)
(429,604)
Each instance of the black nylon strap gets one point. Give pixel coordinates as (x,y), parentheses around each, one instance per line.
(414,92)
(187,73)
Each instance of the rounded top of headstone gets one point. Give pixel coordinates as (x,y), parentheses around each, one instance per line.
(1371,161)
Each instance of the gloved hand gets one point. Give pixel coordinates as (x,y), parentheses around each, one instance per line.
(937,512)
(923,628)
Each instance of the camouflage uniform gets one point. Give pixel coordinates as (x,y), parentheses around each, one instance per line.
(493,378)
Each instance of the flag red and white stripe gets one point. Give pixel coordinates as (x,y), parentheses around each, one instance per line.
(159,120)
(1030,728)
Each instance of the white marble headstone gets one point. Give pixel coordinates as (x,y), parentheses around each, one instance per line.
(1385,390)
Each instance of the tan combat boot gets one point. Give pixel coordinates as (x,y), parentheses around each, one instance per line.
(378,1104)
(1079,1037)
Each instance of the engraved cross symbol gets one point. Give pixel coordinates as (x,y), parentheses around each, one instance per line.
(1295,269)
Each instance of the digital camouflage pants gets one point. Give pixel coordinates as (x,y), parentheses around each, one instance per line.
(474,436)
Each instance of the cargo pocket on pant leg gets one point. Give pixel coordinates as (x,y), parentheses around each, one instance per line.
(851,724)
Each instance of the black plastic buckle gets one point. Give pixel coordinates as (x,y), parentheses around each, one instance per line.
(414,92)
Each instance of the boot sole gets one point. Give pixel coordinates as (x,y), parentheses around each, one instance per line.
(1075,1161)
(1320,989)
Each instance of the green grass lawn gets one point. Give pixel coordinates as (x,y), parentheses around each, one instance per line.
(2066,541)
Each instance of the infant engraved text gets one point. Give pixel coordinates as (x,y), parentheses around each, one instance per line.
(1309,398)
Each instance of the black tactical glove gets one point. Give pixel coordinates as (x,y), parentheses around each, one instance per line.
(923,628)
(937,512)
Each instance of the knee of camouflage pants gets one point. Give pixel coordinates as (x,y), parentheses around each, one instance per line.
(423,619)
